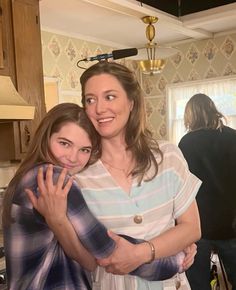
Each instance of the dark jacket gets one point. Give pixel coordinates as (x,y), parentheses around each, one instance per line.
(211,156)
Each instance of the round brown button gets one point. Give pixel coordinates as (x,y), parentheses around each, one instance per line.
(177,284)
(138,219)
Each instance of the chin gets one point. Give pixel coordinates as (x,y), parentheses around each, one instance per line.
(73,171)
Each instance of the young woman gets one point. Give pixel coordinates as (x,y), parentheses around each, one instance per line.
(43,250)
(35,259)
(138,187)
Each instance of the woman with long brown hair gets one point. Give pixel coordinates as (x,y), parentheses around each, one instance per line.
(139,186)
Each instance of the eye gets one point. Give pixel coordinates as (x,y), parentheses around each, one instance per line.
(86,150)
(89,100)
(64,144)
(110,97)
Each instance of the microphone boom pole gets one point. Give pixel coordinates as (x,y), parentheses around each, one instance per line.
(116,54)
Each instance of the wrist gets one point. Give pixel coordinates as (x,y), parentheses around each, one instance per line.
(152,252)
(145,252)
(56,221)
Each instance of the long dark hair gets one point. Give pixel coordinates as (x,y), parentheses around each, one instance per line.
(138,138)
(39,149)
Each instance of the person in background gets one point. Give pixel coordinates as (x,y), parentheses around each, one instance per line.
(45,251)
(210,150)
(138,187)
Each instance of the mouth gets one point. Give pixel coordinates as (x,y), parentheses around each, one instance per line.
(67,166)
(105,120)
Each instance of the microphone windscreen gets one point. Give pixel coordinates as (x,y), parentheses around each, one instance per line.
(122,53)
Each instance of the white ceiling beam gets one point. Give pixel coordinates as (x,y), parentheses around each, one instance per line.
(134,9)
(226,12)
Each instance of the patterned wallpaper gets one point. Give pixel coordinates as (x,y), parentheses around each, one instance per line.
(197,60)
(61,54)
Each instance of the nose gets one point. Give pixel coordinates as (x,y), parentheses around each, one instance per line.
(73,156)
(100,106)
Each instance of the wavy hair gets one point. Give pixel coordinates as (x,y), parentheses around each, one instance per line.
(138,137)
(201,113)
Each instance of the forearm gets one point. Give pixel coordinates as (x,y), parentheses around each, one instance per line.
(67,237)
(186,232)
(175,240)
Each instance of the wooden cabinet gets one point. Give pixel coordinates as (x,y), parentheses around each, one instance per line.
(7,66)
(10,147)
(21,58)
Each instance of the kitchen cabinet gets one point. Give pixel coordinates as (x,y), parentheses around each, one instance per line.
(21,58)
(6,40)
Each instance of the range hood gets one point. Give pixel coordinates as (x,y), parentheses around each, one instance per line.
(12,105)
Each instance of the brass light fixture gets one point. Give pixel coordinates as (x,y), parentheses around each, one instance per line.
(154,62)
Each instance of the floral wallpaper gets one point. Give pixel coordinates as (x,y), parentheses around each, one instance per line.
(61,54)
(197,60)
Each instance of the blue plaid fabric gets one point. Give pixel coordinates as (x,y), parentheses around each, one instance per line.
(36,261)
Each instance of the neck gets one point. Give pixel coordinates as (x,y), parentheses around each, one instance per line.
(113,148)
(116,162)
(116,156)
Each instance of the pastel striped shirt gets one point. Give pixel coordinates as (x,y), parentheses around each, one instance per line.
(156,204)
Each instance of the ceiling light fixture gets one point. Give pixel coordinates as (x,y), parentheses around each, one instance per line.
(156,55)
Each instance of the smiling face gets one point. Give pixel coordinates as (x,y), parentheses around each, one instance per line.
(71,147)
(107,105)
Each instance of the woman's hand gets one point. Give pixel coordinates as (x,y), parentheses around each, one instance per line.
(126,257)
(52,201)
(190,252)
(52,204)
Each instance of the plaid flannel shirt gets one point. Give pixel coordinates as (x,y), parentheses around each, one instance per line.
(36,261)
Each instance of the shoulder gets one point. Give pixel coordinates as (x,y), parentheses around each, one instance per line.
(168,148)
(228,139)
(94,169)
(29,179)
(193,135)
(172,155)
(186,140)
(229,130)
(200,137)
(175,166)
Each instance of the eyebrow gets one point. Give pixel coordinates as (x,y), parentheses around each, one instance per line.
(109,91)
(106,92)
(65,139)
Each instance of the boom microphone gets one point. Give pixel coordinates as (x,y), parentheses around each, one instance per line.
(121,53)
(116,54)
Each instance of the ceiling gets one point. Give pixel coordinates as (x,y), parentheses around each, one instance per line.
(117,23)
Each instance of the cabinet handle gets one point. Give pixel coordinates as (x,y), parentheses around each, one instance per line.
(27,136)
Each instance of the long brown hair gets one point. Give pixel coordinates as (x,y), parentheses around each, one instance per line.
(39,149)
(138,138)
(201,113)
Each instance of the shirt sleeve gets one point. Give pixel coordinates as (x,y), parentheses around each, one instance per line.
(186,185)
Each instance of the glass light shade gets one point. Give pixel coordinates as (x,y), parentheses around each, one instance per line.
(156,54)
(152,66)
